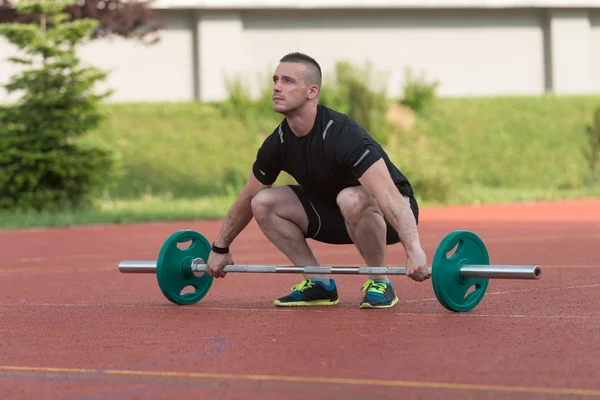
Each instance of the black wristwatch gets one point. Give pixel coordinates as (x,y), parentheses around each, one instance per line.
(220,250)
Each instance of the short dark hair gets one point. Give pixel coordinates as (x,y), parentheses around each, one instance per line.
(312,65)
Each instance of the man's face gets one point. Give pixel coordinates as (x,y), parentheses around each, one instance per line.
(290,90)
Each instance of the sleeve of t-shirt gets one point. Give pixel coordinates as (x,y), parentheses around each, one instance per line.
(267,166)
(352,149)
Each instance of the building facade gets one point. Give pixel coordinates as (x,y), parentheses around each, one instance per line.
(484,48)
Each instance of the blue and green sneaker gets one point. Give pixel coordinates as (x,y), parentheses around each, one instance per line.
(378,294)
(309,293)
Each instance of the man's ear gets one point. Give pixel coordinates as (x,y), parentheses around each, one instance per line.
(313,91)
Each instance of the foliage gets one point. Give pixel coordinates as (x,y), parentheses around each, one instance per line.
(359,91)
(124,18)
(418,94)
(592,150)
(42,165)
(352,90)
(505,144)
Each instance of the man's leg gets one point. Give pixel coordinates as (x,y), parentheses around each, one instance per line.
(283,218)
(368,230)
(280,215)
(366,226)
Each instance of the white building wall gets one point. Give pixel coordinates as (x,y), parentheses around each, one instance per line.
(570,36)
(471,52)
(160,72)
(7,69)
(595,50)
(221,46)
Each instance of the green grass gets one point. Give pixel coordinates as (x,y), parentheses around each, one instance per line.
(183,150)
(124,211)
(188,160)
(513,142)
(190,149)
(477,194)
(153,209)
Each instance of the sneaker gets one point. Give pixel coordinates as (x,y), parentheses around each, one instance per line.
(378,295)
(309,293)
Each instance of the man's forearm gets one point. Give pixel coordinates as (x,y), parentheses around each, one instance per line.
(238,217)
(397,211)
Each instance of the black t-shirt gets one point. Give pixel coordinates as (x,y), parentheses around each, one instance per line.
(333,156)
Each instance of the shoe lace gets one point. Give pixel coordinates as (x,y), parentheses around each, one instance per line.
(305,284)
(372,286)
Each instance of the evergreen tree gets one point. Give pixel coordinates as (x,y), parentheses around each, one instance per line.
(42,165)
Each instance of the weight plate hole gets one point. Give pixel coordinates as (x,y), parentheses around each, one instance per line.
(187,289)
(184,245)
(471,289)
(453,251)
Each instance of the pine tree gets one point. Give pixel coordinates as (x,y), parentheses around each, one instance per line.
(42,165)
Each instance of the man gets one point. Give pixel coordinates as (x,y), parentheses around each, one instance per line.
(348,192)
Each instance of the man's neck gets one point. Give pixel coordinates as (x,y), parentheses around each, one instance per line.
(302,122)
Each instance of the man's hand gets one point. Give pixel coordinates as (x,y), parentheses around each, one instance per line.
(216,263)
(416,265)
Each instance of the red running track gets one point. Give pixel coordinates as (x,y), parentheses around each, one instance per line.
(75,328)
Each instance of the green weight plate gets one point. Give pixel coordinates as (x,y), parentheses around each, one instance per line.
(449,287)
(173,267)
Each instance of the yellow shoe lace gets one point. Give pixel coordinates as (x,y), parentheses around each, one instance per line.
(372,286)
(305,284)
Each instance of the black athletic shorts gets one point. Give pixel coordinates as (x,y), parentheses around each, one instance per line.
(326,223)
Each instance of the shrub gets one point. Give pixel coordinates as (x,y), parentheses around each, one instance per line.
(425,166)
(592,151)
(42,165)
(353,90)
(419,94)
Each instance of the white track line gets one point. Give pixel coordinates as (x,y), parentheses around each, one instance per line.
(503,315)
(60,258)
(320,310)
(515,291)
(535,238)
(105,305)
(54,270)
(424,314)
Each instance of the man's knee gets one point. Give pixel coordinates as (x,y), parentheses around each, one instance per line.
(263,203)
(280,201)
(354,202)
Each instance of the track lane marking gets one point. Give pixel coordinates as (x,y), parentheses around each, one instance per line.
(273,310)
(330,380)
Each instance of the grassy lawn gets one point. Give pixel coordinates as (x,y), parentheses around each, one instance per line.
(125,211)
(155,209)
(188,160)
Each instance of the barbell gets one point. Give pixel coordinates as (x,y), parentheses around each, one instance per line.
(452,275)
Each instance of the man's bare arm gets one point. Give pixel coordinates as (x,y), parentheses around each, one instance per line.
(240,214)
(379,184)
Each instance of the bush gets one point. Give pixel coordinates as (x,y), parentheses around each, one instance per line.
(419,94)
(359,92)
(426,167)
(592,150)
(42,166)
(353,91)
